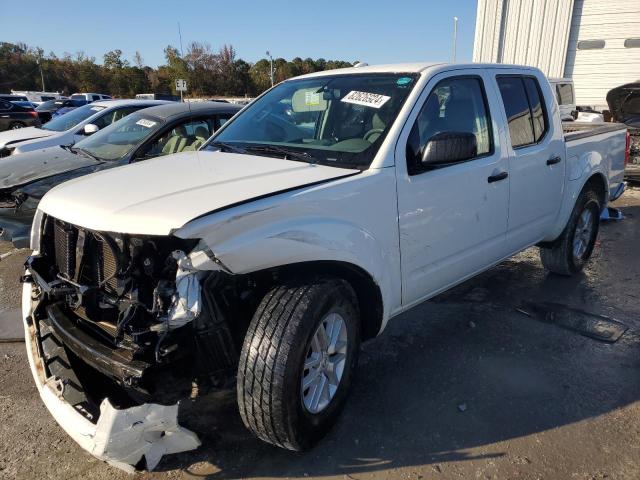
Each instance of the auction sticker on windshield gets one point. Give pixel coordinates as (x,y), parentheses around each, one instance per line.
(145,123)
(374,100)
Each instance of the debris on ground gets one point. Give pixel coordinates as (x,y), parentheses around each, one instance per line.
(462,407)
(598,327)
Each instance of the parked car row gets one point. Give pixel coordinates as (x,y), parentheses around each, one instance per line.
(142,132)
(258,251)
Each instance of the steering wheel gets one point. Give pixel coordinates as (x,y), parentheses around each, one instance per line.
(372,132)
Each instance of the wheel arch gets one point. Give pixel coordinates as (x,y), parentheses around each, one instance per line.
(368,292)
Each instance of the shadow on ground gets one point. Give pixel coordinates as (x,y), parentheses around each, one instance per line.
(456,375)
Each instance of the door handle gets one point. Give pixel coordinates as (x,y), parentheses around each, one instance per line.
(497,177)
(554,160)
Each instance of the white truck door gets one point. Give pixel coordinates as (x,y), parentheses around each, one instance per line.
(536,158)
(453,214)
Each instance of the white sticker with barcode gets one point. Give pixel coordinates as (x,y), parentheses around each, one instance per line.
(374,100)
(145,123)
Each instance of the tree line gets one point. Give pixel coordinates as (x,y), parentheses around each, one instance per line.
(208,73)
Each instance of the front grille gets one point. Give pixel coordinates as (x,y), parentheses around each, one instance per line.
(83,256)
(64,239)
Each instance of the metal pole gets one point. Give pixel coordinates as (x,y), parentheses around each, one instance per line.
(41,74)
(270,67)
(455,37)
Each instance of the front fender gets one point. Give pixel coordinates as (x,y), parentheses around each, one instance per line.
(307,239)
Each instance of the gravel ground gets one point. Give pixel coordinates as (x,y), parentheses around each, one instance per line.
(463,386)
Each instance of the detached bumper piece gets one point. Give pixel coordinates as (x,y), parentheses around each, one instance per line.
(129,437)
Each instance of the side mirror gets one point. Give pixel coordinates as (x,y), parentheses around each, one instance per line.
(449,147)
(90,129)
(574,114)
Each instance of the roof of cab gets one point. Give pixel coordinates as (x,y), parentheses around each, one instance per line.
(417,67)
(125,102)
(170,109)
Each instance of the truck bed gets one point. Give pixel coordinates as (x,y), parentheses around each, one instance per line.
(606,139)
(576,130)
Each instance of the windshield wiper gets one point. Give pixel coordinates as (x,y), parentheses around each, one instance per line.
(289,154)
(227,146)
(85,153)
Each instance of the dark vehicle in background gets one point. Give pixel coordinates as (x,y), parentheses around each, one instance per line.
(13,98)
(13,116)
(147,133)
(624,105)
(157,96)
(24,103)
(47,109)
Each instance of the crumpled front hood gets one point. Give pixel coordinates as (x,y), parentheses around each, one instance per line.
(21,134)
(158,195)
(29,167)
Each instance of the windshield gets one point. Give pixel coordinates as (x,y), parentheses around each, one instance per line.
(119,138)
(71,119)
(338,120)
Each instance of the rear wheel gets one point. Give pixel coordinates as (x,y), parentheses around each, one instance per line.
(298,360)
(571,251)
(16,125)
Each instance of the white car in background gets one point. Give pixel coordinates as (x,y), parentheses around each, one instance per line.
(70,127)
(90,97)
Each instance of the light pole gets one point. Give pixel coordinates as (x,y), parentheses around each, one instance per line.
(455,37)
(39,61)
(271,67)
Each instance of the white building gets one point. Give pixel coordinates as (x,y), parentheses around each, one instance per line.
(595,42)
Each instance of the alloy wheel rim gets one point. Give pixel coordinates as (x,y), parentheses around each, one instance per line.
(324,363)
(582,234)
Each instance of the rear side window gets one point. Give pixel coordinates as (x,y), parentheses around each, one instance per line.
(5,105)
(537,110)
(565,94)
(524,106)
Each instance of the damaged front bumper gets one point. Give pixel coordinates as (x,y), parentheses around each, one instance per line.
(122,437)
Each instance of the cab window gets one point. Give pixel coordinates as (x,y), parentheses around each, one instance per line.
(524,108)
(455,106)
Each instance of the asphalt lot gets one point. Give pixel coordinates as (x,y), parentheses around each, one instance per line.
(463,386)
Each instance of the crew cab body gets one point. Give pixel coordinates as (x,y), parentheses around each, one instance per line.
(71,127)
(347,196)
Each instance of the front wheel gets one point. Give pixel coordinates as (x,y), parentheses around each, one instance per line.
(571,251)
(298,360)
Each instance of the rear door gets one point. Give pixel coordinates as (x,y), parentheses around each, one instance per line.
(536,158)
(5,115)
(453,218)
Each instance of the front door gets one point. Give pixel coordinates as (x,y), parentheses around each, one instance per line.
(452,218)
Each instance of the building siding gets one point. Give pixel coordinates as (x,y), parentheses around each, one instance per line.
(595,72)
(545,34)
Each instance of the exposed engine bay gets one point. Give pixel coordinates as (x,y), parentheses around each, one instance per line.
(129,318)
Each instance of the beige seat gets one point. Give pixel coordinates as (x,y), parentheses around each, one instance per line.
(377,127)
(201,135)
(177,142)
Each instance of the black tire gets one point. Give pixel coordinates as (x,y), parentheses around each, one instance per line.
(559,256)
(273,355)
(16,125)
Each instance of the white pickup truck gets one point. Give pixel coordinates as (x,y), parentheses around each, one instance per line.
(332,203)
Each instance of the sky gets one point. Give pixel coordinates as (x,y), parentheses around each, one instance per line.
(372,31)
